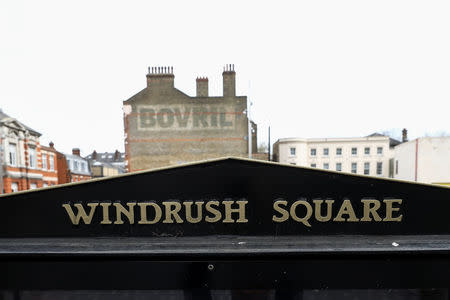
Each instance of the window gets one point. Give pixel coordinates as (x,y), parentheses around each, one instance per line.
(69,164)
(292,150)
(83,166)
(338,166)
(75,165)
(354,151)
(32,155)
(326,166)
(354,168)
(325,151)
(366,168)
(293,163)
(338,151)
(367,150)
(44,161)
(45,184)
(14,187)
(396,167)
(313,151)
(33,186)
(313,165)
(379,150)
(52,162)
(12,154)
(379,168)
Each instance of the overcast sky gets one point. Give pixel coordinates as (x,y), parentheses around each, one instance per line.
(311,68)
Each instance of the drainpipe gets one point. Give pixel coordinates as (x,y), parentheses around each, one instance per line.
(415,167)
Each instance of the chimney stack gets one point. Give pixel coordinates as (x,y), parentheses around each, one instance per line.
(202,86)
(116,155)
(160,77)
(76,151)
(404,135)
(94,155)
(229,81)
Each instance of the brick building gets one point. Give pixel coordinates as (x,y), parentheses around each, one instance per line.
(73,167)
(24,163)
(164,126)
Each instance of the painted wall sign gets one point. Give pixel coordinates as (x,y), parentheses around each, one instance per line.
(185,117)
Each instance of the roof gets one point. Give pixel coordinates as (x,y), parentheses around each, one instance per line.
(107,157)
(8,121)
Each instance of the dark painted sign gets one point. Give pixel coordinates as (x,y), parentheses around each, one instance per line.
(228,197)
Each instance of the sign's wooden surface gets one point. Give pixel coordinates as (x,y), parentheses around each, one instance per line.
(228,197)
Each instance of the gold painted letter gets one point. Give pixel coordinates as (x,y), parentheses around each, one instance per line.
(240,211)
(158,213)
(318,209)
(390,209)
(371,210)
(346,209)
(284,213)
(217,214)
(188,207)
(81,213)
(172,209)
(129,213)
(308,214)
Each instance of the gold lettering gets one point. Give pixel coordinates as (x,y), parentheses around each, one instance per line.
(346,209)
(105,210)
(129,213)
(318,210)
(371,210)
(390,209)
(240,211)
(284,213)
(81,213)
(217,214)
(158,213)
(308,214)
(172,210)
(188,206)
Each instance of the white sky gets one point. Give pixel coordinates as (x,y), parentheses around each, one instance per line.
(322,68)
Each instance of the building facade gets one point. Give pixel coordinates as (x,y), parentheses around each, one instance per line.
(24,163)
(73,167)
(164,126)
(371,155)
(106,164)
(425,159)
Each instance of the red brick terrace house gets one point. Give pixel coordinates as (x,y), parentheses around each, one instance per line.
(24,163)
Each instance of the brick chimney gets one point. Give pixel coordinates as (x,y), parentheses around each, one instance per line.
(404,135)
(116,155)
(51,145)
(94,155)
(229,81)
(160,77)
(76,151)
(202,86)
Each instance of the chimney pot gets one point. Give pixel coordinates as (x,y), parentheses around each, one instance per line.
(202,86)
(404,135)
(76,151)
(229,81)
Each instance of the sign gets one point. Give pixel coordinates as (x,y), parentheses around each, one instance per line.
(228,197)
(185,117)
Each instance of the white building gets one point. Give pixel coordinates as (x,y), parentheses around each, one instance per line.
(369,155)
(424,160)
